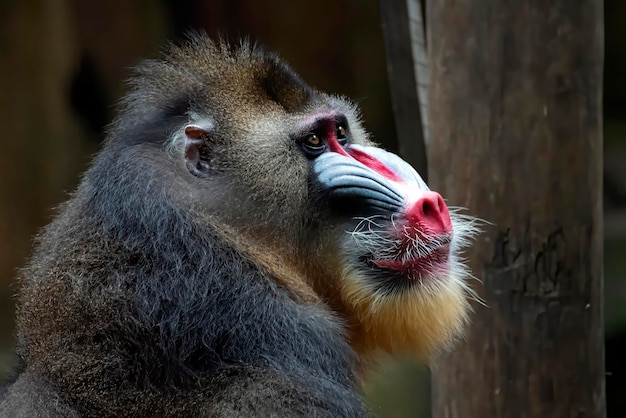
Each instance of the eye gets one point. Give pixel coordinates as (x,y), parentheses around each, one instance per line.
(341,132)
(313,141)
(313,144)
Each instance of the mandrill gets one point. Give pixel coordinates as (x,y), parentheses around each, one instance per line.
(239,247)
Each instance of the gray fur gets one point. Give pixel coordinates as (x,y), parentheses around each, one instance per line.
(136,304)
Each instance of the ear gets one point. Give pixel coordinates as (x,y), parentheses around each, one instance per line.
(198,147)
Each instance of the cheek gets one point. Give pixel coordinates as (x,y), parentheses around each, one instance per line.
(269,168)
(282,187)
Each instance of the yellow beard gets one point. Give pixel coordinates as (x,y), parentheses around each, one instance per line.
(419,320)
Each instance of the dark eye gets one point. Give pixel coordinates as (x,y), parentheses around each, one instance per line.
(313,141)
(313,144)
(341,132)
(342,135)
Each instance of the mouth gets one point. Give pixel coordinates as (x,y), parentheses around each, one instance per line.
(415,267)
(397,255)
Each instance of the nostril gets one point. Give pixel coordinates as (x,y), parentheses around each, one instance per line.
(430,212)
(430,208)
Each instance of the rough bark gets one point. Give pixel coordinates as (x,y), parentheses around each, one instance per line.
(408,77)
(516,125)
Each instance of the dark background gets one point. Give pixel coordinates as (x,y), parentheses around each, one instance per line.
(64,63)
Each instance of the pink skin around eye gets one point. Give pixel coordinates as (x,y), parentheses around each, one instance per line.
(330,126)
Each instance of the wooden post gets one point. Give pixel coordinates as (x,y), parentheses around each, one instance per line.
(407,72)
(516,125)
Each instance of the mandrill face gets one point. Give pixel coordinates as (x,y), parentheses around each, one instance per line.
(404,230)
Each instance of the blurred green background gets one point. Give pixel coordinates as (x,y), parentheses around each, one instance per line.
(64,63)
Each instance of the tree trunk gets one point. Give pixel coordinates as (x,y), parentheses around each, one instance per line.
(407,73)
(516,128)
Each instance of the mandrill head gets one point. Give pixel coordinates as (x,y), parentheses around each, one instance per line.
(288,175)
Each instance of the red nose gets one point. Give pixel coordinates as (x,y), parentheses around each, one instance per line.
(431,213)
